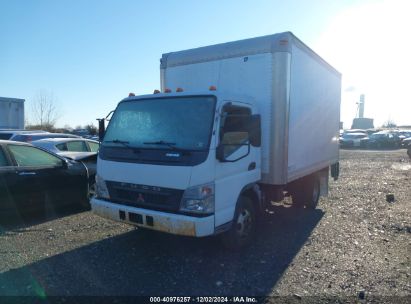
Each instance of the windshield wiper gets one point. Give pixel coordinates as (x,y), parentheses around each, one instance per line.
(161,142)
(171,145)
(125,143)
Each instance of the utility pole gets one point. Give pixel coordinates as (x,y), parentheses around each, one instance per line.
(361,106)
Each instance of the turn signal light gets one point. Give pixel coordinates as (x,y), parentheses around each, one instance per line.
(156,92)
(131,94)
(179,90)
(212,88)
(167,91)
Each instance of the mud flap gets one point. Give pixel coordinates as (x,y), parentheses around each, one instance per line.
(324,178)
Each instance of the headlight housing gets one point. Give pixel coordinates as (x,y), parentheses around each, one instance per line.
(198,199)
(101,188)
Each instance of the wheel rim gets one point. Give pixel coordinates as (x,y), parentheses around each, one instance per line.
(244,223)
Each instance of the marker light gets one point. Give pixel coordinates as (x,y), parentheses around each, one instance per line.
(212,88)
(167,91)
(179,90)
(156,92)
(131,94)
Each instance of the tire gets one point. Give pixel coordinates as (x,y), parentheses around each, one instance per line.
(243,228)
(307,192)
(91,190)
(298,195)
(313,195)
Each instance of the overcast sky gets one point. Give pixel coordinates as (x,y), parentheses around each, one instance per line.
(91,54)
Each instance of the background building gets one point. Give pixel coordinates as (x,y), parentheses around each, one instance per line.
(11,113)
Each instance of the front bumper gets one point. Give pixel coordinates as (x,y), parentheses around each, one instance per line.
(156,220)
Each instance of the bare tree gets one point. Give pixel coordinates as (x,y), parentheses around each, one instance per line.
(45,110)
(389,124)
(92,129)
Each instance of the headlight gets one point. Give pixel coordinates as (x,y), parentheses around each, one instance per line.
(101,188)
(198,199)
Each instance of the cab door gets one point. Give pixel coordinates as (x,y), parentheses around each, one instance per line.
(238,161)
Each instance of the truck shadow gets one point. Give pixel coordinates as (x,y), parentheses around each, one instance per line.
(150,263)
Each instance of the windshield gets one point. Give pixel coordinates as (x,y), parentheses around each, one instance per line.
(378,136)
(162,123)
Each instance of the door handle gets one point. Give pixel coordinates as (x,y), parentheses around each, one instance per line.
(26,173)
(251,166)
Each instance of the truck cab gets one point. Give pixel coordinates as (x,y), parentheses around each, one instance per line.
(179,162)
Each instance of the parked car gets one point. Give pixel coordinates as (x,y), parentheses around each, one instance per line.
(403,136)
(384,139)
(9,133)
(58,145)
(350,140)
(404,133)
(406,142)
(92,137)
(354,131)
(32,178)
(36,136)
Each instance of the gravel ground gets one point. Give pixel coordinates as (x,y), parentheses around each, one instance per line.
(355,246)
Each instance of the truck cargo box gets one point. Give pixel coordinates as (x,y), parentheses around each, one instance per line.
(295,90)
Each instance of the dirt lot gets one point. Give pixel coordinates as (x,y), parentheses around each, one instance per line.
(355,246)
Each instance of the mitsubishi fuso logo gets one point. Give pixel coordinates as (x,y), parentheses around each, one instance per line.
(173,154)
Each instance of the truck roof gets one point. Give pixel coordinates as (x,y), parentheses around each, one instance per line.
(218,94)
(280,42)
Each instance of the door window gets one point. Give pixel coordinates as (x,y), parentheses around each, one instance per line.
(5,135)
(233,129)
(32,157)
(62,147)
(77,146)
(93,146)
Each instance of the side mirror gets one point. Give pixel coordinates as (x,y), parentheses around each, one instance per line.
(254,130)
(64,163)
(101,128)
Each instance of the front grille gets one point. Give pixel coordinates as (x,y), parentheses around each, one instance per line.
(143,196)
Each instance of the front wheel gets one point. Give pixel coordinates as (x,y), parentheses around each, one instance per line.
(243,228)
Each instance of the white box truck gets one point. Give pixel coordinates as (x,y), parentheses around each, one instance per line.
(235,127)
